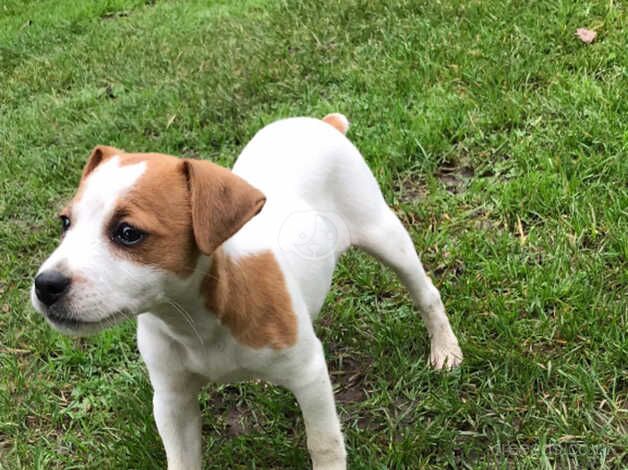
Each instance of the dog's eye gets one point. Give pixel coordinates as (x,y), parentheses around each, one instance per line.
(65,223)
(127,235)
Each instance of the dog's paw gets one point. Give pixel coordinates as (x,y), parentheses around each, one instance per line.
(331,466)
(445,354)
(329,462)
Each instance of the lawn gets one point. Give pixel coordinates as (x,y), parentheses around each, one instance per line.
(498,137)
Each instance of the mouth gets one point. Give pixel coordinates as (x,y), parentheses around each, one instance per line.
(83,327)
(63,321)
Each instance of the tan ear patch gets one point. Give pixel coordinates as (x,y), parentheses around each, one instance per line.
(221,203)
(250,297)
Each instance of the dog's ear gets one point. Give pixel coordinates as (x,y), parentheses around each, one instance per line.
(221,203)
(99,155)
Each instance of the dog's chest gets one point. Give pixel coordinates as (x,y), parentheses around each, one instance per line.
(210,353)
(216,362)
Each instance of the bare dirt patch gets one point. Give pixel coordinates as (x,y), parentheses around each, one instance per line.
(233,416)
(410,188)
(348,371)
(455,178)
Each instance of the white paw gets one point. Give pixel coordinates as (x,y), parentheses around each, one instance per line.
(340,465)
(328,452)
(333,459)
(445,354)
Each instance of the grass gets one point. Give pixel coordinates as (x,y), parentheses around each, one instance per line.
(498,137)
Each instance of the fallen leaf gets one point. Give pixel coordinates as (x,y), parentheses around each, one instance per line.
(6,308)
(586,35)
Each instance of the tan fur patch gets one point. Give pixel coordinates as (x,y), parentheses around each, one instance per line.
(250,297)
(337,121)
(159,204)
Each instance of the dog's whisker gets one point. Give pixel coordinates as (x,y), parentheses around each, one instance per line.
(186,315)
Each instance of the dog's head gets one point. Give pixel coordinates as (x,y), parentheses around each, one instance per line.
(136,227)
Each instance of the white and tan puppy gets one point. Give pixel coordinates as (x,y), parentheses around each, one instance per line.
(225,270)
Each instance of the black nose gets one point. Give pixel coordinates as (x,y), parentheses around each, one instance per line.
(50,286)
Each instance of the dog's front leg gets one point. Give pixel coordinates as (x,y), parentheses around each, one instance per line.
(316,398)
(178,418)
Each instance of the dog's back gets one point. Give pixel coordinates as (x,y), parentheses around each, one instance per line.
(320,195)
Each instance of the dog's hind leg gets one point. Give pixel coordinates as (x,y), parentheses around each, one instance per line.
(387,239)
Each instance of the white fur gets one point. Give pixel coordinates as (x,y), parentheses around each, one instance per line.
(321,199)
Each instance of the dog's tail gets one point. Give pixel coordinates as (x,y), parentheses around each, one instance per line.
(337,120)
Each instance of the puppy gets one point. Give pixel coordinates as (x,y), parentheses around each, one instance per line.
(225,270)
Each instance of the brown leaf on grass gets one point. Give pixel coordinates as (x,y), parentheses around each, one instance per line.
(586,35)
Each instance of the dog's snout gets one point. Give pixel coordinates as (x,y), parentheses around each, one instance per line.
(50,286)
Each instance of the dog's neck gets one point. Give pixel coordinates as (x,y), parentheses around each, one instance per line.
(243,296)
(182,307)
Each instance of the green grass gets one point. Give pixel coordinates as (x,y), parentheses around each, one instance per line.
(498,137)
